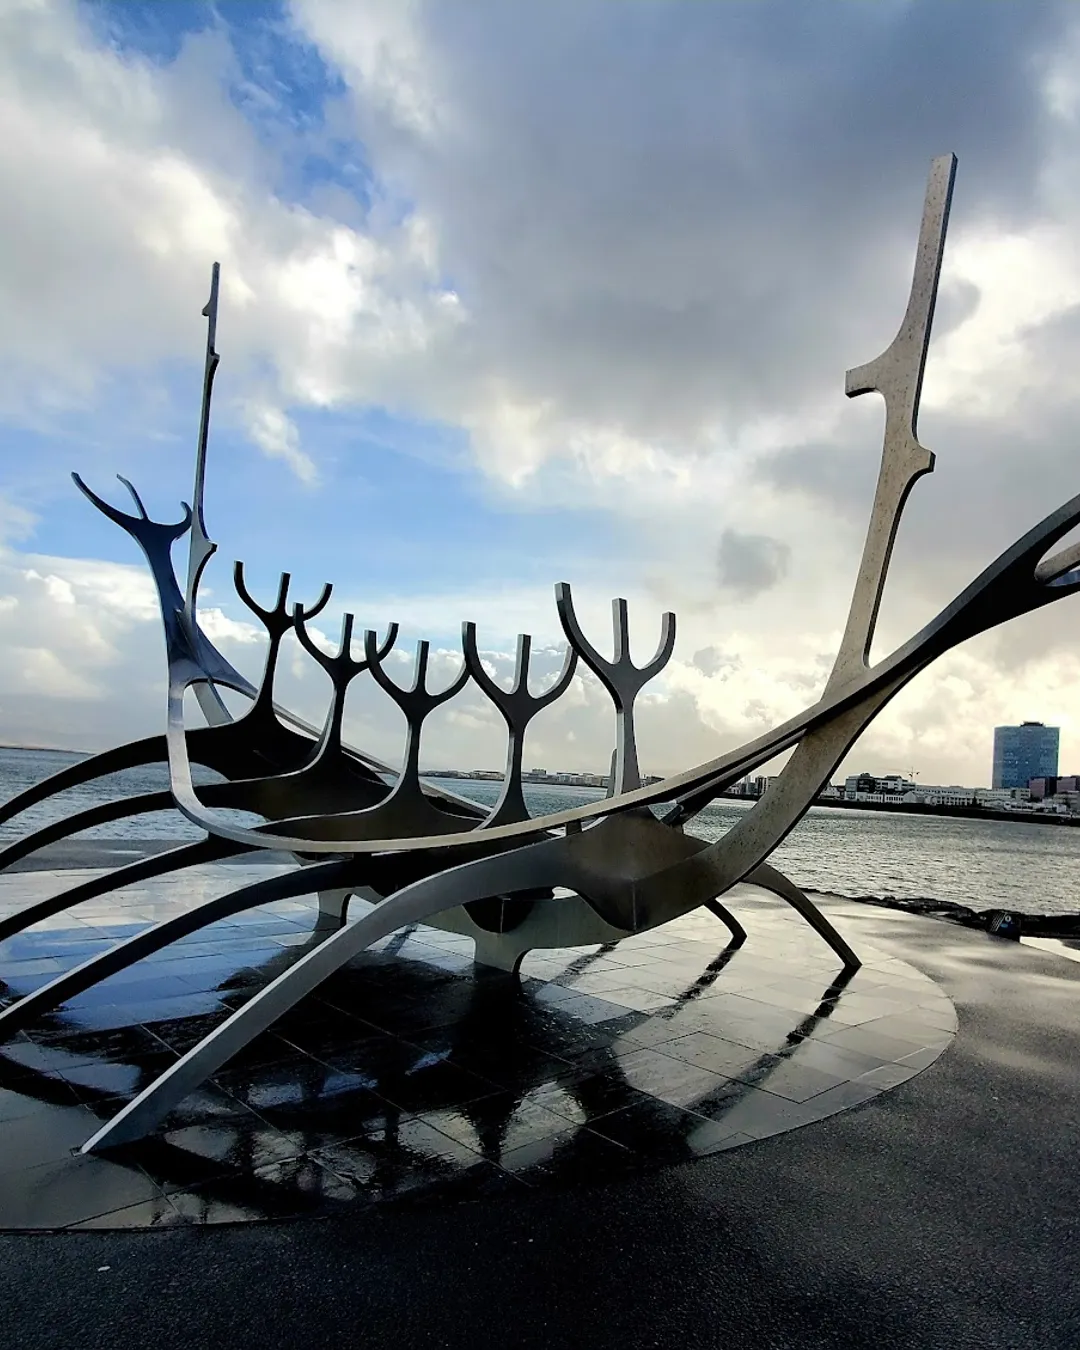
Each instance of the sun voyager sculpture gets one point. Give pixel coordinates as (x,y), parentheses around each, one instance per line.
(357,827)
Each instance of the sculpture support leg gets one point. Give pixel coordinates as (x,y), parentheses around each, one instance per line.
(499,951)
(333,907)
(738,932)
(769,879)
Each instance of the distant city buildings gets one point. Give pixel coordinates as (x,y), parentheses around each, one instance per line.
(1041,788)
(593,780)
(895,790)
(1025,781)
(596,780)
(865,787)
(1023,753)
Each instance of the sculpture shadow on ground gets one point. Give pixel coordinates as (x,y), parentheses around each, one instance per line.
(408,1080)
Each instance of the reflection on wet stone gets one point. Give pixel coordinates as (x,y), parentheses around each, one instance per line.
(408,1080)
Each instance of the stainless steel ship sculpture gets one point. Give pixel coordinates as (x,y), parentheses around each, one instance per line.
(357,827)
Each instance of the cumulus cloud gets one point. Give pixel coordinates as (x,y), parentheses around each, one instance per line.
(662,268)
(126,179)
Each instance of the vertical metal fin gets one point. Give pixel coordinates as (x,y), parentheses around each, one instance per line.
(897,375)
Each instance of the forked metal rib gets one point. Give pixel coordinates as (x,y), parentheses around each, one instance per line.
(619,676)
(518,707)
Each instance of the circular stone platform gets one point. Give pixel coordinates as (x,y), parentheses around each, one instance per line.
(409,1079)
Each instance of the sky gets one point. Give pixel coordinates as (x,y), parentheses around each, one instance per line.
(520,294)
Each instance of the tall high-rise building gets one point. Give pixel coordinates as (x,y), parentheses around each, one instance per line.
(1023,753)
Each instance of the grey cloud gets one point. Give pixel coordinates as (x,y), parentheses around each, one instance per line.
(714,661)
(748,564)
(994,478)
(839,474)
(665,216)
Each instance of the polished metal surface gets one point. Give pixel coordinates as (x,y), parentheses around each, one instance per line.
(599,873)
(897,375)
(201,548)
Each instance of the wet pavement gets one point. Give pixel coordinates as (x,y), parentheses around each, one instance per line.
(407,1080)
(941,1215)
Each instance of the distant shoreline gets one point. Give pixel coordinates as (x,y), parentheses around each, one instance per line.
(923,809)
(910,809)
(835,803)
(48,749)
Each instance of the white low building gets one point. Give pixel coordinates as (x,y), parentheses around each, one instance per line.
(929,794)
(1003,799)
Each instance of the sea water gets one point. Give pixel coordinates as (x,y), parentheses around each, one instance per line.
(981,863)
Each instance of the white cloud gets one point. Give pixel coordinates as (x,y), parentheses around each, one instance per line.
(125,181)
(1023,281)
(219,628)
(274,433)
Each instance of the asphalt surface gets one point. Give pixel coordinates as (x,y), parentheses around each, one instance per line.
(943,1214)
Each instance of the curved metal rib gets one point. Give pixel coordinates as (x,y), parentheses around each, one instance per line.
(150,1107)
(157,936)
(149,750)
(414,904)
(333,881)
(144,869)
(544,863)
(84,820)
(422,899)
